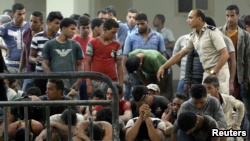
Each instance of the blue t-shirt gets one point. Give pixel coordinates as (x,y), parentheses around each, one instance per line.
(12,36)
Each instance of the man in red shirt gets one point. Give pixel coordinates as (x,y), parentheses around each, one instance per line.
(83,25)
(104,55)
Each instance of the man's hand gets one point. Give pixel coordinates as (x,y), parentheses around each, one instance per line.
(39,59)
(231,88)
(126,79)
(7,53)
(186,87)
(73,93)
(90,89)
(147,113)
(160,73)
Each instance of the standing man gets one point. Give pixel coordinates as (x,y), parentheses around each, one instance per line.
(36,22)
(102,14)
(103,55)
(12,36)
(144,38)
(97,27)
(63,54)
(167,34)
(247,23)
(209,43)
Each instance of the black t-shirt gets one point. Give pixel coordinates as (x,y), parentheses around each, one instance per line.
(160,103)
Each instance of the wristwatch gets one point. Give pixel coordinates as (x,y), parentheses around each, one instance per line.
(212,72)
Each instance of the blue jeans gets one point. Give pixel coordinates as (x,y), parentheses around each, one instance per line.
(83,91)
(127,91)
(180,88)
(245,89)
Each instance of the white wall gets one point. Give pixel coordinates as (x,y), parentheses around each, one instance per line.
(5,4)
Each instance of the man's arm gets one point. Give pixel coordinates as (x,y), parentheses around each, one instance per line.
(45,66)
(43,135)
(88,80)
(22,60)
(120,71)
(125,73)
(239,106)
(108,131)
(133,130)
(6,49)
(154,134)
(173,60)
(232,67)
(222,59)
(126,116)
(79,80)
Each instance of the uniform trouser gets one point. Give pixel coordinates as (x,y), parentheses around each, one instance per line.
(223,76)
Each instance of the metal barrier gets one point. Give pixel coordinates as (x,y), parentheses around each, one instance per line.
(114,102)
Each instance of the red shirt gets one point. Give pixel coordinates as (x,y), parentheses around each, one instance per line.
(83,43)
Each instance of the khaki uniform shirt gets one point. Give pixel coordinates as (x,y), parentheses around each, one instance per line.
(208,42)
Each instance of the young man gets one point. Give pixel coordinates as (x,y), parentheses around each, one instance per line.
(102,14)
(157,103)
(104,56)
(97,27)
(153,89)
(146,63)
(213,52)
(246,19)
(38,41)
(159,21)
(198,127)
(144,127)
(131,24)
(64,55)
(12,36)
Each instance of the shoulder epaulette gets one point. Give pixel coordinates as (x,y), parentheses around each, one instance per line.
(211,27)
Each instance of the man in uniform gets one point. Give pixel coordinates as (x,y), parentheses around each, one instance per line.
(209,43)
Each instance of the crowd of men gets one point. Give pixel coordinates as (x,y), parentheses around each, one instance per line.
(213,90)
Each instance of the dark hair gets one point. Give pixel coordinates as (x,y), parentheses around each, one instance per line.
(74,17)
(141,16)
(138,92)
(241,24)
(109,24)
(104,11)
(38,14)
(161,18)
(132,10)
(66,22)
(132,64)
(20,134)
(104,114)
(7,10)
(69,112)
(98,132)
(200,13)
(247,19)
(198,91)
(86,14)
(234,7)
(17,6)
(111,9)
(181,96)
(83,21)
(34,91)
(98,93)
(183,118)
(59,83)
(96,22)
(213,80)
(210,21)
(11,81)
(54,15)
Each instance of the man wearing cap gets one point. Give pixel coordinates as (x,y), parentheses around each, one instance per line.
(153,89)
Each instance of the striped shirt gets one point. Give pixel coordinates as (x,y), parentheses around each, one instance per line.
(38,42)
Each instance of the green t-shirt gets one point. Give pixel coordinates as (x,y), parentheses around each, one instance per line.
(152,62)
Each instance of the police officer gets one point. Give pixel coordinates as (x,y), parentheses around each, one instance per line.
(210,45)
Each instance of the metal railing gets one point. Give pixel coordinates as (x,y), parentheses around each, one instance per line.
(61,75)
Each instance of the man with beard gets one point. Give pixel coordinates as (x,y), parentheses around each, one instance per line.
(145,38)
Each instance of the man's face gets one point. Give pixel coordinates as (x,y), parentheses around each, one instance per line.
(176,104)
(99,30)
(192,19)
(19,16)
(84,30)
(248,28)
(109,94)
(232,17)
(156,22)
(103,16)
(211,89)
(131,19)
(199,103)
(143,100)
(142,26)
(54,25)
(14,86)
(52,92)
(35,23)
(110,34)
(70,31)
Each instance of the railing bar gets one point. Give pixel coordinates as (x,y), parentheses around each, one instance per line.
(69,124)
(48,122)
(91,123)
(5,109)
(26,123)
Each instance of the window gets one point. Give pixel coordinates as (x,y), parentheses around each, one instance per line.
(184,6)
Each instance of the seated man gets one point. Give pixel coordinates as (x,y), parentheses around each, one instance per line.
(147,63)
(59,125)
(156,103)
(102,130)
(198,128)
(170,114)
(153,89)
(125,112)
(145,127)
